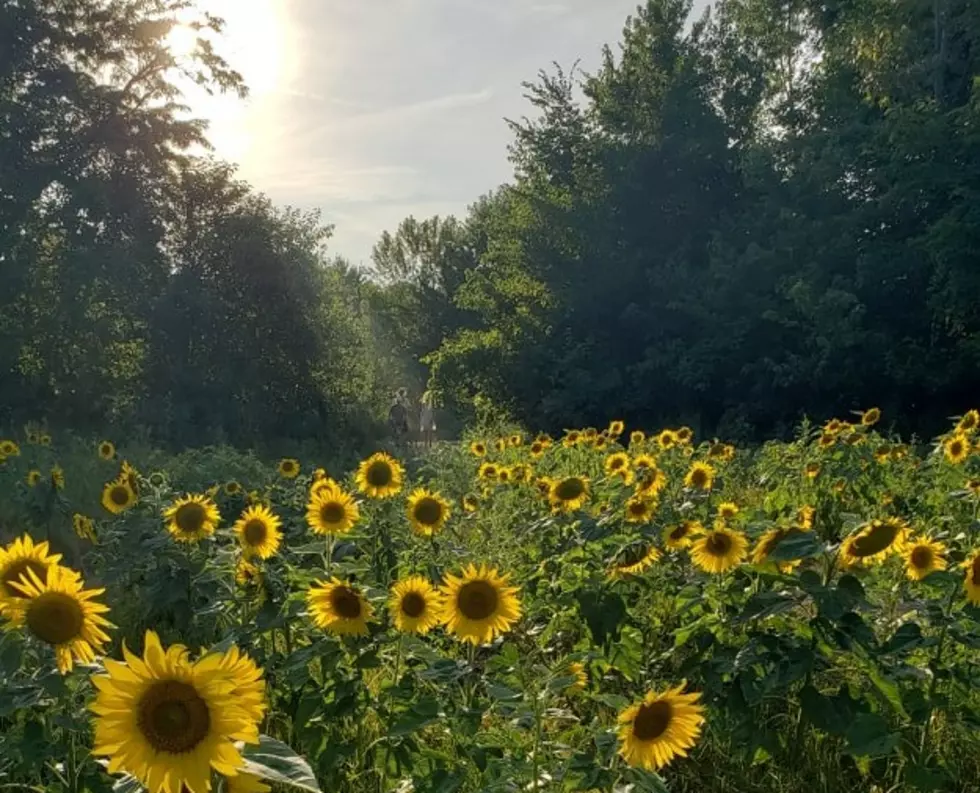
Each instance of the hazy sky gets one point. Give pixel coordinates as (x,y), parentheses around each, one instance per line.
(372,110)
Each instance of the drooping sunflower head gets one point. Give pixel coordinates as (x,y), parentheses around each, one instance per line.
(811,470)
(83,526)
(332,511)
(118,496)
(956,448)
(338,607)
(107,450)
(616,428)
(874,541)
(479,604)
(968,422)
(57,475)
(288,468)
(169,721)
(192,518)
(488,472)
(727,510)
(247,574)
(500,444)
(427,511)
(33,478)
(379,476)
(633,560)
(922,557)
(700,476)
(569,493)
(663,726)
(478,448)
(971,582)
(637,438)
(258,532)
(871,417)
(682,535)
(719,550)
(18,560)
(650,481)
(667,439)
(59,612)
(577,671)
(543,485)
(684,435)
(639,509)
(415,605)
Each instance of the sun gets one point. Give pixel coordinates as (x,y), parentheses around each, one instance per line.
(181,41)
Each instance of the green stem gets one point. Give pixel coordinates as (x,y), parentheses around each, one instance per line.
(398,657)
(328,559)
(934,666)
(537,742)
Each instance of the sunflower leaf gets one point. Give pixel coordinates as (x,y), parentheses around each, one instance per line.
(127,784)
(274,761)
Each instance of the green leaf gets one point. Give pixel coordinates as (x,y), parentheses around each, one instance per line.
(869,736)
(503,693)
(423,712)
(904,639)
(796,544)
(888,688)
(603,612)
(830,714)
(274,761)
(766,604)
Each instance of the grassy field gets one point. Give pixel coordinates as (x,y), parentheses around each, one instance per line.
(610,611)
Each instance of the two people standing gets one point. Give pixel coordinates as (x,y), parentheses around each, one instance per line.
(398,418)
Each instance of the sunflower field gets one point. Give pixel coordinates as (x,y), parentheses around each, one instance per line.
(609,610)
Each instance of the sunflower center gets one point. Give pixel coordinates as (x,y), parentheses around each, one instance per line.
(255,532)
(699,477)
(477,600)
(922,557)
(877,539)
(428,511)
(718,544)
(975,571)
(119,495)
(55,618)
(679,533)
(173,717)
(379,474)
(332,512)
(631,556)
(637,508)
(956,448)
(346,602)
(17,571)
(652,720)
(570,489)
(413,604)
(190,517)
(616,463)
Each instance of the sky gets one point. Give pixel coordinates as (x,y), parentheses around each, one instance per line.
(374,110)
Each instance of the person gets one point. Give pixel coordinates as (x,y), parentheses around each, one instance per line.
(427,419)
(398,416)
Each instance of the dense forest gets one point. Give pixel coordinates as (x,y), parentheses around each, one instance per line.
(770,210)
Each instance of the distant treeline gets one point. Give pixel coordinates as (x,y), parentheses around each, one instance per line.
(769,211)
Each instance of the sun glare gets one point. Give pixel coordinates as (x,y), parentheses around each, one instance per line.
(181,41)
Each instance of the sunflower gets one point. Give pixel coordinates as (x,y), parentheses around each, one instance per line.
(18,559)
(826,440)
(537,449)
(805,516)
(971,583)
(700,477)
(33,478)
(504,475)
(874,541)
(258,532)
(58,611)
(515,440)
(811,470)
(544,439)
(522,473)
(923,556)
(543,485)
(768,542)
(470,502)
(570,493)
(633,560)
(601,443)
(379,476)
(338,608)
(639,509)
(332,511)
(834,426)
(415,605)
(719,550)
(168,721)
(576,670)
(288,468)
(83,526)
(192,518)
(682,535)
(667,439)
(107,450)
(118,496)
(617,463)
(478,448)
(572,438)
(131,475)
(871,417)
(157,479)
(427,512)
(973,485)
(232,488)
(663,726)
(58,478)
(956,448)
(684,435)
(320,485)
(44,439)
(637,437)
(727,510)
(245,783)
(488,472)
(479,604)
(968,422)
(616,428)
(500,444)
(9,448)
(247,574)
